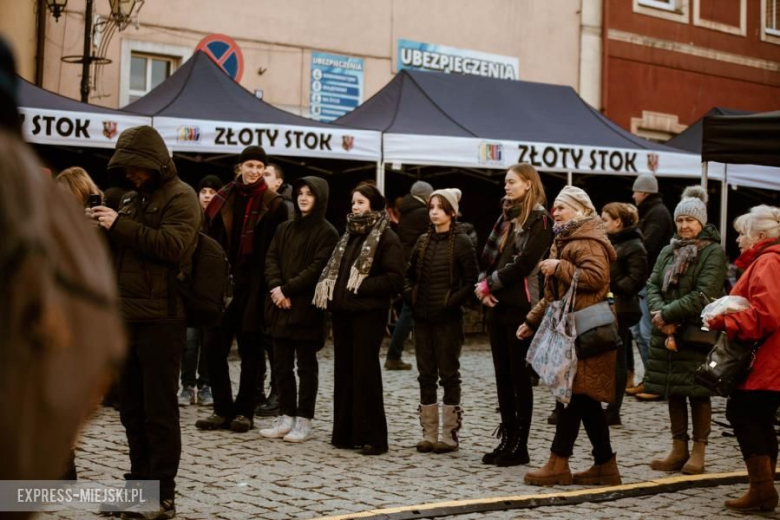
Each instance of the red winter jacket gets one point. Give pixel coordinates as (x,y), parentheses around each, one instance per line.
(760,284)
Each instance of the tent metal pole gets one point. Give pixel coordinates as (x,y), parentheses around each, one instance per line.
(380,176)
(704,167)
(569,178)
(724,205)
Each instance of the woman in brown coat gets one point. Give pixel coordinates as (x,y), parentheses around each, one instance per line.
(580,243)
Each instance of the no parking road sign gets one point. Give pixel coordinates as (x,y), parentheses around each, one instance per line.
(225,52)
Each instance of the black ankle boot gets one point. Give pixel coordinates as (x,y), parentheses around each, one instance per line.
(517,452)
(501,433)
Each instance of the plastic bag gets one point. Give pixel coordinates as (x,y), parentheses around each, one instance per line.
(725,305)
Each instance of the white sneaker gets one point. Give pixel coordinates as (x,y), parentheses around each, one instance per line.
(301,432)
(282,426)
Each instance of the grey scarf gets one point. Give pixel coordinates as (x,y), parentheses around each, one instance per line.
(374,223)
(685,253)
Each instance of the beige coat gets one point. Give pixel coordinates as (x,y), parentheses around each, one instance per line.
(586,247)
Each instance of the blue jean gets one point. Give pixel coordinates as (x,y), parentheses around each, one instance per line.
(192,358)
(403,326)
(642,330)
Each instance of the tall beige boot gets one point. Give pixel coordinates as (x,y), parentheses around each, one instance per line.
(676,458)
(429,420)
(451,422)
(695,464)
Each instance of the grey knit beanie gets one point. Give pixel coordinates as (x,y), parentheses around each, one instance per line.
(422,190)
(693,204)
(646,183)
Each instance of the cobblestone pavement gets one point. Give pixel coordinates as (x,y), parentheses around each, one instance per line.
(237,476)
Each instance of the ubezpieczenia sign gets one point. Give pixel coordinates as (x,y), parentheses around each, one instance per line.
(438,58)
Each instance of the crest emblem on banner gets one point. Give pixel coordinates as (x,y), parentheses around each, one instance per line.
(652,161)
(110,129)
(491,153)
(347,142)
(188,134)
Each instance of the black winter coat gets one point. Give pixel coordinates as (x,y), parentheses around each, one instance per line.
(656,225)
(440,291)
(246,310)
(155,232)
(513,279)
(412,222)
(628,273)
(298,253)
(384,281)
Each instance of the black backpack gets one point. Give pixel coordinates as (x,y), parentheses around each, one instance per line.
(207,289)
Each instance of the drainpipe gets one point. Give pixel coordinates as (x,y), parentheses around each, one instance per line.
(40,42)
(604,54)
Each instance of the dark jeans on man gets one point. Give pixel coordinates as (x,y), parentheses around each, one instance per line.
(403,326)
(218,342)
(194,358)
(149,410)
(588,411)
(513,375)
(437,347)
(752,414)
(292,402)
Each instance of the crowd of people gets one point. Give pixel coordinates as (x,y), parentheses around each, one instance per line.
(295,278)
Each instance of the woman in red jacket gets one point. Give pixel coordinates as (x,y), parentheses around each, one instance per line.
(752,406)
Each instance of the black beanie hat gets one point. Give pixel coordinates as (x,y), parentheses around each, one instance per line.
(210,181)
(253,153)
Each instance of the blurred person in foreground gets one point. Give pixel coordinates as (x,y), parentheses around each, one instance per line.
(752,407)
(60,331)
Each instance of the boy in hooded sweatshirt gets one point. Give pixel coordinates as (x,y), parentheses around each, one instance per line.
(297,255)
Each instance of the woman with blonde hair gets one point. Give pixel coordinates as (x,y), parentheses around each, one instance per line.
(76,180)
(752,407)
(508,286)
(581,247)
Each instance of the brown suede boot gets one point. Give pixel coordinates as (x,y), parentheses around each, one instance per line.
(556,471)
(762,495)
(606,474)
(676,458)
(695,464)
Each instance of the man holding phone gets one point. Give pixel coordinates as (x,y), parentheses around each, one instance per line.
(153,236)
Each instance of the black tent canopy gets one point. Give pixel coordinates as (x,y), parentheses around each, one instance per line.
(201,109)
(433,118)
(742,139)
(51,119)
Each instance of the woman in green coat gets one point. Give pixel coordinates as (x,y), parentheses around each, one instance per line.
(692,265)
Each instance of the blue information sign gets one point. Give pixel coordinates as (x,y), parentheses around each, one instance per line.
(336,85)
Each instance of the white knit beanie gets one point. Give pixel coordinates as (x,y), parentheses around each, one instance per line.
(693,204)
(451,194)
(577,199)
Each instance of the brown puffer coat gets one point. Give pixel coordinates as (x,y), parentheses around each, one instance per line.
(155,233)
(585,246)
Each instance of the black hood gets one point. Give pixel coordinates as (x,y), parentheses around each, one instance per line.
(286,191)
(321,190)
(143,147)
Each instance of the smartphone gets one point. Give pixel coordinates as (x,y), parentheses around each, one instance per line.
(94,200)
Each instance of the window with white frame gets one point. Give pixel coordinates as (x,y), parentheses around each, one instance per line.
(147,71)
(666,5)
(772,17)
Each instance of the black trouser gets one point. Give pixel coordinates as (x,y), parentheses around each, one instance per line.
(588,411)
(358,403)
(621,377)
(266,347)
(437,347)
(292,402)
(752,414)
(149,409)
(513,375)
(217,342)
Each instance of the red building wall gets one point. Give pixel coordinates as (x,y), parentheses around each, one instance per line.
(665,75)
